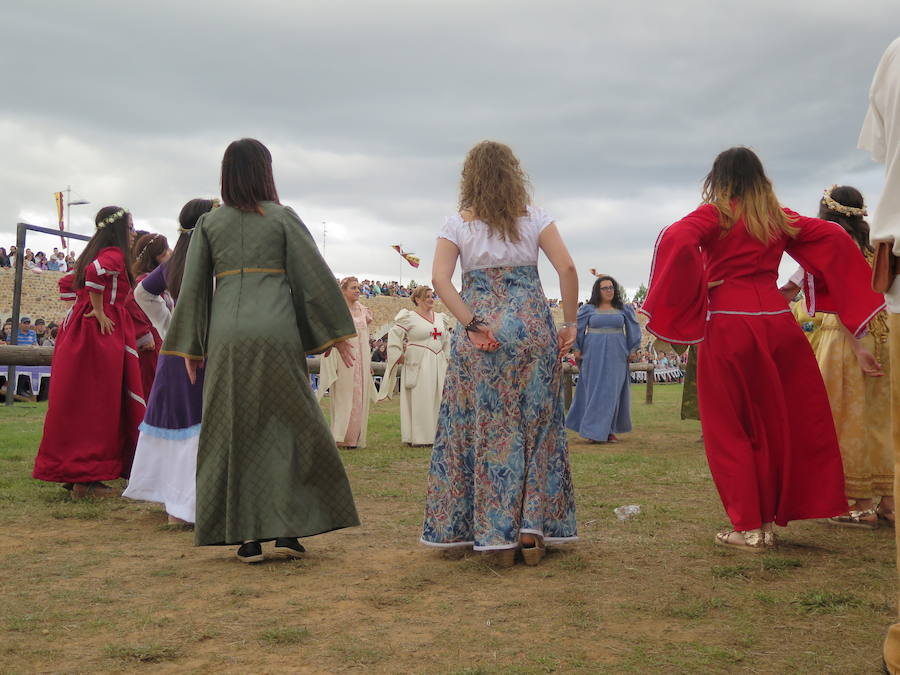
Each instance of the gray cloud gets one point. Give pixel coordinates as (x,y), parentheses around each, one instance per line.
(369,107)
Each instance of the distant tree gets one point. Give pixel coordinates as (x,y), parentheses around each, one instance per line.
(640,295)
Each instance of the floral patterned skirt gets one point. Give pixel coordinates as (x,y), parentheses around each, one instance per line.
(500,464)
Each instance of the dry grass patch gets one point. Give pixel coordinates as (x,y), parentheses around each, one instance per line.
(113,589)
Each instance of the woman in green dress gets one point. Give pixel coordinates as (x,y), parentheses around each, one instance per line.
(267,465)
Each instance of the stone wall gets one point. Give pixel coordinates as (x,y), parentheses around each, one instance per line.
(40,298)
(40,295)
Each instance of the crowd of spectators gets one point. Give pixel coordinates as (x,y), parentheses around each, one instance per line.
(39,334)
(58,261)
(370,288)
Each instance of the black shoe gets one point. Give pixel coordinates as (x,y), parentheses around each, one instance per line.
(68,486)
(289,547)
(251,552)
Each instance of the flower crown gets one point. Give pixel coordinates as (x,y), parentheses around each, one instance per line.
(840,208)
(215,204)
(110,219)
(147,245)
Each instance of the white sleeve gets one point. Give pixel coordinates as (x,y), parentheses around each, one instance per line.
(797,277)
(450,230)
(540,218)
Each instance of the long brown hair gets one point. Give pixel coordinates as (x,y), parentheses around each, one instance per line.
(495,188)
(116,233)
(247,176)
(187,219)
(738,187)
(855,224)
(145,252)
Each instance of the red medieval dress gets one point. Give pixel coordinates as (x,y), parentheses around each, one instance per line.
(147,357)
(95,403)
(769,435)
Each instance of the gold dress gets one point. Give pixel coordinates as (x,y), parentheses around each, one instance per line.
(860,406)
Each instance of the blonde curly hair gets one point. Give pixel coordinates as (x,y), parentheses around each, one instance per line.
(494,188)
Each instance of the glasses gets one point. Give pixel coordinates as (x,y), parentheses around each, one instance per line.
(607,288)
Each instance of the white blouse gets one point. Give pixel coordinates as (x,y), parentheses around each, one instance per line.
(479,249)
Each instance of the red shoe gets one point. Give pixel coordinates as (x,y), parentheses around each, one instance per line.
(612,439)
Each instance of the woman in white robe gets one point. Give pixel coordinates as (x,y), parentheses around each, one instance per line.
(420,341)
(352,389)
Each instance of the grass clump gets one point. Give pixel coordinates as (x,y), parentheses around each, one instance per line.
(284,636)
(149,653)
(820,602)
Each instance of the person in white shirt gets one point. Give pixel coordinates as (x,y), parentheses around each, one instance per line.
(880,136)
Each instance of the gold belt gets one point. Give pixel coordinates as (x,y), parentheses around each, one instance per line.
(251,270)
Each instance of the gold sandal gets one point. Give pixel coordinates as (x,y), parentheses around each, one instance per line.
(860,519)
(751,541)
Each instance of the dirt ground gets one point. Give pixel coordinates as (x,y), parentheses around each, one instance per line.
(108,587)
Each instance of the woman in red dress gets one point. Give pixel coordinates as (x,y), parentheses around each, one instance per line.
(95,403)
(149,252)
(767,425)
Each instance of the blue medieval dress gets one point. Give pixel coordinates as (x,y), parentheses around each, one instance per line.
(602,403)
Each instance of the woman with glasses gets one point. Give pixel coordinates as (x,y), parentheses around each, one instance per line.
(607,333)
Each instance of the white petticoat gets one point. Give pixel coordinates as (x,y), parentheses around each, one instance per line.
(165,470)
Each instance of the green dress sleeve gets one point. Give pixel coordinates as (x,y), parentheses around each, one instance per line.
(322,314)
(190,320)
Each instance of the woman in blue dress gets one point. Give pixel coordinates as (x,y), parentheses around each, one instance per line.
(607,333)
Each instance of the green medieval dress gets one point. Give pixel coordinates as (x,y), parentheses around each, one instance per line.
(267,465)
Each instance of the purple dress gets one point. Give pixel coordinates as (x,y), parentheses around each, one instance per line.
(165,463)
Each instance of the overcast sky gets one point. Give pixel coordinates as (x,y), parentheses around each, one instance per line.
(615,109)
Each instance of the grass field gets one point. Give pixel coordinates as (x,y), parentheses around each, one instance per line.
(107,586)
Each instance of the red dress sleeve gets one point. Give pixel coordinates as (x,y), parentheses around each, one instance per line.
(677,297)
(838,278)
(66,289)
(98,274)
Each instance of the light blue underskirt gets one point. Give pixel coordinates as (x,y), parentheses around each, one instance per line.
(170,434)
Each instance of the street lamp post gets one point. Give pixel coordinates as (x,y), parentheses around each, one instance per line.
(69,204)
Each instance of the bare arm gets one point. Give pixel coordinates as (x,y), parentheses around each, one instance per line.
(554,248)
(868,364)
(446,254)
(106,324)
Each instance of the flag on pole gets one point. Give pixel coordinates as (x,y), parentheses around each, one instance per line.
(60,204)
(408,257)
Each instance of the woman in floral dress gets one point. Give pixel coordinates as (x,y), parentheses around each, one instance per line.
(499,478)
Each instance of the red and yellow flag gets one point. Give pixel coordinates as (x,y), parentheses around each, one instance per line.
(60,205)
(408,257)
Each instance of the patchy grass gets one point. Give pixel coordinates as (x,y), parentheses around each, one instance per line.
(150,653)
(284,636)
(107,586)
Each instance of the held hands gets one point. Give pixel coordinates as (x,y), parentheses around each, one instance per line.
(565,340)
(106,324)
(191,365)
(483,339)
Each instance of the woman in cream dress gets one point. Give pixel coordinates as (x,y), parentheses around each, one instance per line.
(420,341)
(352,389)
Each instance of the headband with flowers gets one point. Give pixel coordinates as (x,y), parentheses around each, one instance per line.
(143,250)
(834,205)
(110,219)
